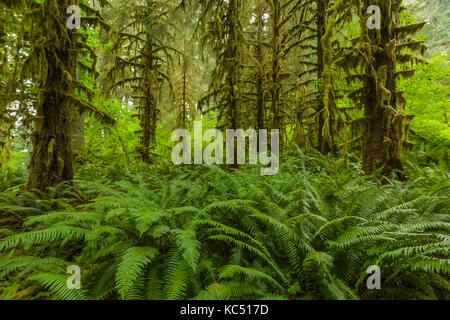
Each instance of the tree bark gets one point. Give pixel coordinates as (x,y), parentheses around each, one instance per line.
(324,145)
(381,142)
(276,64)
(78,133)
(233,72)
(148,112)
(260,93)
(51,158)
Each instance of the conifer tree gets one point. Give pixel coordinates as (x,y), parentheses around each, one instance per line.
(221,22)
(54,57)
(378,57)
(141,54)
(52,64)
(256,76)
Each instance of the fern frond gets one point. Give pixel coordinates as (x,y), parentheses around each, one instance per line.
(131,266)
(56,284)
(231,271)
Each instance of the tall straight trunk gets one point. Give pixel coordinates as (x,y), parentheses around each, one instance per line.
(324,145)
(233,72)
(276,64)
(260,94)
(147,108)
(185,71)
(377,151)
(78,133)
(5,144)
(234,120)
(51,158)
(381,144)
(184,92)
(146,131)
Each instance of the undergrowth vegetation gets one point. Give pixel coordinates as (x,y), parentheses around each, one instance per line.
(167,232)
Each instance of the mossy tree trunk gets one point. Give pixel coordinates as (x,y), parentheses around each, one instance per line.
(276,63)
(323,145)
(184,94)
(233,76)
(78,133)
(381,141)
(147,113)
(374,57)
(380,148)
(222,26)
(260,73)
(51,158)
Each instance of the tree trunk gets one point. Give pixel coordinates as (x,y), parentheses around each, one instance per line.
(276,64)
(261,99)
(147,112)
(324,145)
(382,143)
(51,158)
(184,93)
(233,72)
(78,134)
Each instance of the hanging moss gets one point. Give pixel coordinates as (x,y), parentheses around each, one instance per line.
(378,53)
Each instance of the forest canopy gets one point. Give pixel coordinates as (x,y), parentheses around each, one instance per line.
(224,149)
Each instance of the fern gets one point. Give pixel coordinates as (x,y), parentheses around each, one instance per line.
(56,284)
(165,232)
(131,266)
(231,271)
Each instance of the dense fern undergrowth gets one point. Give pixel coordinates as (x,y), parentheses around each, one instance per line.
(204,232)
